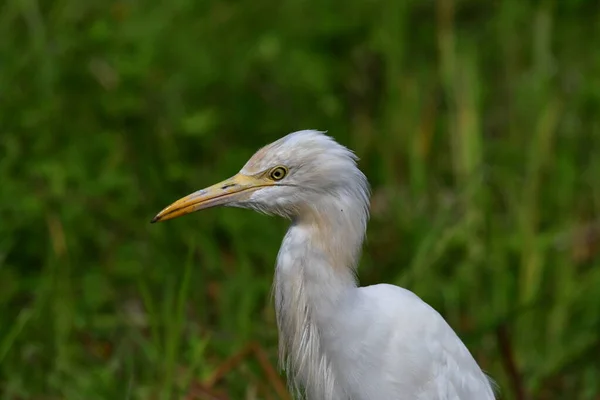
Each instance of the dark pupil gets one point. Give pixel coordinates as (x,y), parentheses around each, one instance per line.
(277,173)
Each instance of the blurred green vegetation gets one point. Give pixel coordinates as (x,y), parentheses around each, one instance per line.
(477,123)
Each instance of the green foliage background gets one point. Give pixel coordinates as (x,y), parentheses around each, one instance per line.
(477,123)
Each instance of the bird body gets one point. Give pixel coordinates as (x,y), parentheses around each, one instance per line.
(375,342)
(339,341)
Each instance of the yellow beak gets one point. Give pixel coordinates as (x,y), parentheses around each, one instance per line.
(236,188)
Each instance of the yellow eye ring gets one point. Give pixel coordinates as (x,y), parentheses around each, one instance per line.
(278,173)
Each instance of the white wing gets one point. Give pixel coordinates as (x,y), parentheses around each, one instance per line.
(404,349)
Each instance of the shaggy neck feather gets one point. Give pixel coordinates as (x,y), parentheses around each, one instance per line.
(315,268)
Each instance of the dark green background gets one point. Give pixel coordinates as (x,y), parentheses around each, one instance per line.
(477,123)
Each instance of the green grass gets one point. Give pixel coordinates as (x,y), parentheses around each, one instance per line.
(476,122)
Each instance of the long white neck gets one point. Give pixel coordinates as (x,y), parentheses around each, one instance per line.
(315,269)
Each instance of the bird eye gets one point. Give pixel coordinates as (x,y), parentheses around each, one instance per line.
(278,173)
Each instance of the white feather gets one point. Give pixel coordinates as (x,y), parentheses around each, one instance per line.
(339,341)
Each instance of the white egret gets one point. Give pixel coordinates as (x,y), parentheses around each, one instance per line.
(339,341)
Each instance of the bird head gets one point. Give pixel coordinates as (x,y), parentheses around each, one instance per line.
(295,173)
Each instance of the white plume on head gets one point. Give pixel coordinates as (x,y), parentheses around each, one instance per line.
(319,168)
